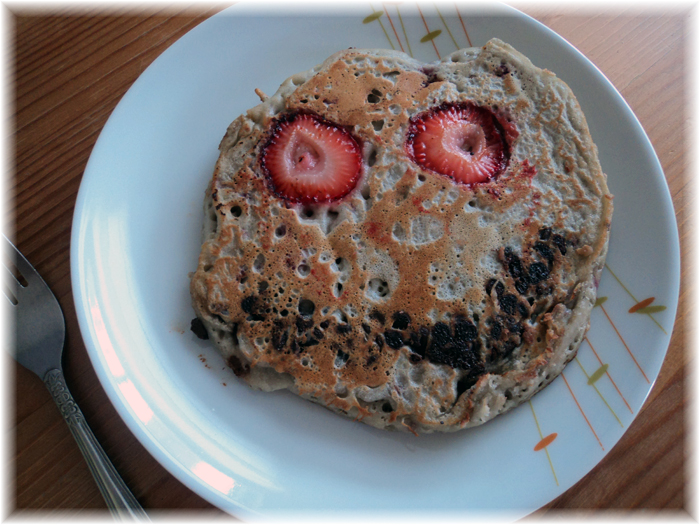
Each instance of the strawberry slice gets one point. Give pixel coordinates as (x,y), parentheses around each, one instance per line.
(462,141)
(308,159)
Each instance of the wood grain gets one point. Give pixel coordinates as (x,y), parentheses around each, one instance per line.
(70,70)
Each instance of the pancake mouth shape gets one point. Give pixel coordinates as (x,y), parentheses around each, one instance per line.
(308,159)
(462,141)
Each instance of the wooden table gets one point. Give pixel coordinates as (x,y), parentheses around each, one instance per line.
(70,72)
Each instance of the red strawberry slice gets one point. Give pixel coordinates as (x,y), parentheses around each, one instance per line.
(462,141)
(308,159)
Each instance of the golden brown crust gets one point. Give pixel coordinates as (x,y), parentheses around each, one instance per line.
(414,303)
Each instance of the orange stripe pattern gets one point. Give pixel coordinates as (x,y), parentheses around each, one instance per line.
(581,410)
(623,342)
(545,442)
(609,376)
(392,27)
(641,304)
(428,30)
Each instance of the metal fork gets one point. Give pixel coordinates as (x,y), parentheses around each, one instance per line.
(39,331)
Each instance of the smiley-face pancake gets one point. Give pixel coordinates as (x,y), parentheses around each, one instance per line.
(413,246)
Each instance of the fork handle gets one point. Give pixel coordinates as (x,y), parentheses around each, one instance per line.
(120,501)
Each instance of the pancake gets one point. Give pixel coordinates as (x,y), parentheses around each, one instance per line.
(413,246)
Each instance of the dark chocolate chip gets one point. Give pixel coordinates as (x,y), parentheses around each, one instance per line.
(500,288)
(306,307)
(378,316)
(508,303)
(442,335)
(560,243)
(303,324)
(280,335)
(379,341)
(343,328)
(248,303)
(496,330)
(545,252)
(467,381)
(489,286)
(515,266)
(465,331)
(415,358)
(418,341)
(198,328)
(310,341)
(237,366)
(523,310)
(501,70)
(538,272)
(342,356)
(367,328)
(393,339)
(508,347)
(401,320)
(522,286)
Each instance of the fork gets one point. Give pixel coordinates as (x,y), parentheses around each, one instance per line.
(39,331)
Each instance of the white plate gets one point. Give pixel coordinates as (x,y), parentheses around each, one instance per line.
(136,236)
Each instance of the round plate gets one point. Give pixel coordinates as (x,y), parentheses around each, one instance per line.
(136,236)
